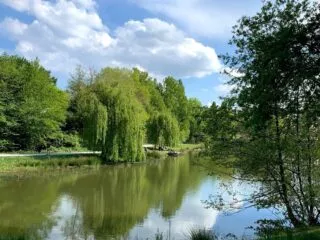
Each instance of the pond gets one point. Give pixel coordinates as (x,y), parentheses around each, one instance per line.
(121,202)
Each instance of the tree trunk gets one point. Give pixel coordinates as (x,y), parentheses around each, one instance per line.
(284,190)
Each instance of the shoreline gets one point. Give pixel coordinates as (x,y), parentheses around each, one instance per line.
(13,163)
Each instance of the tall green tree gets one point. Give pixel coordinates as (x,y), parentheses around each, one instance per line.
(78,82)
(113,115)
(118,110)
(277,54)
(177,102)
(148,92)
(163,129)
(222,129)
(32,108)
(196,121)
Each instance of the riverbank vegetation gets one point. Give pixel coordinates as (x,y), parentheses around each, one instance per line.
(18,164)
(300,234)
(51,160)
(113,111)
(270,122)
(32,108)
(120,109)
(205,234)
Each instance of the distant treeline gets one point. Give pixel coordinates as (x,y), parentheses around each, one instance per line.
(114,110)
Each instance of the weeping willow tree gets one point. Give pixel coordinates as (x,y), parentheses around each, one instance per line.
(95,119)
(125,132)
(113,118)
(163,129)
(120,109)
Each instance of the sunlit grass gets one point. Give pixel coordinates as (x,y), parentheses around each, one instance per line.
(9,164)
(187,146)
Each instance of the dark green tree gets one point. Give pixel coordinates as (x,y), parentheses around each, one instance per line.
(196,121)
(222,128)
(177,102)
(32,108)
(163,130)
(112,114)
(277,99)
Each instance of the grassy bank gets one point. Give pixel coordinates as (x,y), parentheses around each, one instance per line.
(187,147)
(50,150)
(13,164)
(300,234)
(16,164)
(156,154)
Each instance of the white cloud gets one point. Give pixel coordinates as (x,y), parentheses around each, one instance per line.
(233,73)
(66,33)
(191,214)
(88,4)
(209,18)
(19,5)
(13,26)
(162,49)
(223,89)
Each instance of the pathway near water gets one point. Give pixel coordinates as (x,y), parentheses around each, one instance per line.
(46,154)
(56,153)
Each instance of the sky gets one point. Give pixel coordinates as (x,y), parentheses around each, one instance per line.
(180,38)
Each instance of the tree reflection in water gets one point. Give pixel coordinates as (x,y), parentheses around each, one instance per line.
(105,203)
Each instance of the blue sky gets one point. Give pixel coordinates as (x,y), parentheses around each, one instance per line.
(181,38)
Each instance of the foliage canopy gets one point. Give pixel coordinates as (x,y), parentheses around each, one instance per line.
(32,108)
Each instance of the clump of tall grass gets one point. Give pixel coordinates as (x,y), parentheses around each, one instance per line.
(201,234)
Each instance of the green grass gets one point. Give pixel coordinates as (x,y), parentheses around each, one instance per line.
(67,149)
(187,147)
(310,234)
(155,154)
(13,164)
(52,150)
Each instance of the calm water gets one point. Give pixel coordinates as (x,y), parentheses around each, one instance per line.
(126,202)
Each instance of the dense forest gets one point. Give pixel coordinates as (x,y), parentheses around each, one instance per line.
(114,111)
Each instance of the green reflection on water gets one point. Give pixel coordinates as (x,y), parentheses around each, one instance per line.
(106,202)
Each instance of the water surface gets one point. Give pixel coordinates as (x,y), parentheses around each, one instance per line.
(121,202)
